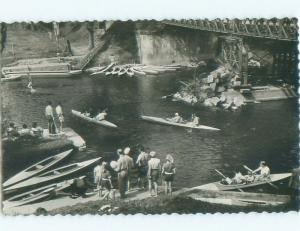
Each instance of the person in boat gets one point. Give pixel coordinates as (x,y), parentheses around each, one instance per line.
(263,169)
(249,178)
(24,130)
(59,113)
(153,173)
(50,118)
(101,115)
(12,132)
(36,130)
(176,119)
(122,170)
(168,172)
(130,164)
(105,182)
(238,178)
(142,165)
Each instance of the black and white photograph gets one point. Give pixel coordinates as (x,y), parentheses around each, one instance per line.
(166,116)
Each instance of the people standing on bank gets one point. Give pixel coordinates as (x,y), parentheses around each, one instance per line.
(142,165)
(105,181)
(153,173)
(59,113)
(168,172)
(50,118)
(122,169)
(97,176)
(130,164)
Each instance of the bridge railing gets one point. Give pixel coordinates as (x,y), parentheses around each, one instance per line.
(279,29)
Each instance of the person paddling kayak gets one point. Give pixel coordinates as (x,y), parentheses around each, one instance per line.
(176,119)
(101,115)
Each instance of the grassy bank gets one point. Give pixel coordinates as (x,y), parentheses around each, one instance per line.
(163,204)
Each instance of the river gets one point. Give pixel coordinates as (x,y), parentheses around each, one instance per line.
(266,131)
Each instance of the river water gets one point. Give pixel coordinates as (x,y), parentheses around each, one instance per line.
(266,131)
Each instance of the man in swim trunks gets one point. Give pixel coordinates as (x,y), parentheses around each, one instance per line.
(153,173)
(168,172)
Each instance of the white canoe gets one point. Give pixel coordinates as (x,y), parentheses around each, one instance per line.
(11,77)
(92,120)
(103,70)
(36,168)
(218,186)
(53,174)
(38,194)
(166,122)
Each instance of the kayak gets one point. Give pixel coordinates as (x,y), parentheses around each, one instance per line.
(166,122)
(89,119)
(130,72)
(122,71)
(38,194)
(36,168)
(11,77)
(218,186)
(53,174)
(115,70)
(103,70)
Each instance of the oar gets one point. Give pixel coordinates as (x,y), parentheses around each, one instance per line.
(226,177)
(271,184)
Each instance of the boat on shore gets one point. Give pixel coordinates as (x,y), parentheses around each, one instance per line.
(52,175)
(11,77)
(218,186)
(185,125)
(104,123)
(38,194)
(36,168)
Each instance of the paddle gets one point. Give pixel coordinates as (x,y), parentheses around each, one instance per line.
(227,178)
(249,169)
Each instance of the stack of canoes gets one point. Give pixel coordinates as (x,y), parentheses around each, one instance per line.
(40,180)
(131,69)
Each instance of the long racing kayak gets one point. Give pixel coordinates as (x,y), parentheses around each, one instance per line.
(36,168)
(218,186)
(52,175)
(167,122)
(92,120)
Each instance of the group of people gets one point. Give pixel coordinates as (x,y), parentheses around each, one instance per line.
(13,132)
(149,169)
(50,117)
(178,119)
(263,173)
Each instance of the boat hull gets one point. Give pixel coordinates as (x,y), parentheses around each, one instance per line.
(104,123)
(166,122)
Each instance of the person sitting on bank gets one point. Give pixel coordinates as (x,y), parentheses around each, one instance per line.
(153,173)
(101,115)
(12,132)
(36,130)
(168,172)
(176,119)
(263,169)
(24,130)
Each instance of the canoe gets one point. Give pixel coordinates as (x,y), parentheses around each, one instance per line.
(218,186)
(130,72)
(103,70)
(166,122)
(138,71)
(122,71)
(11,77)
(104,123)
(36,168)
(53,175)
(38,194)
(115,70)
(238,198)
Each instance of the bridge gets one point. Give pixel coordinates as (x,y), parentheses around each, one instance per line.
(279,29)
(234,51)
